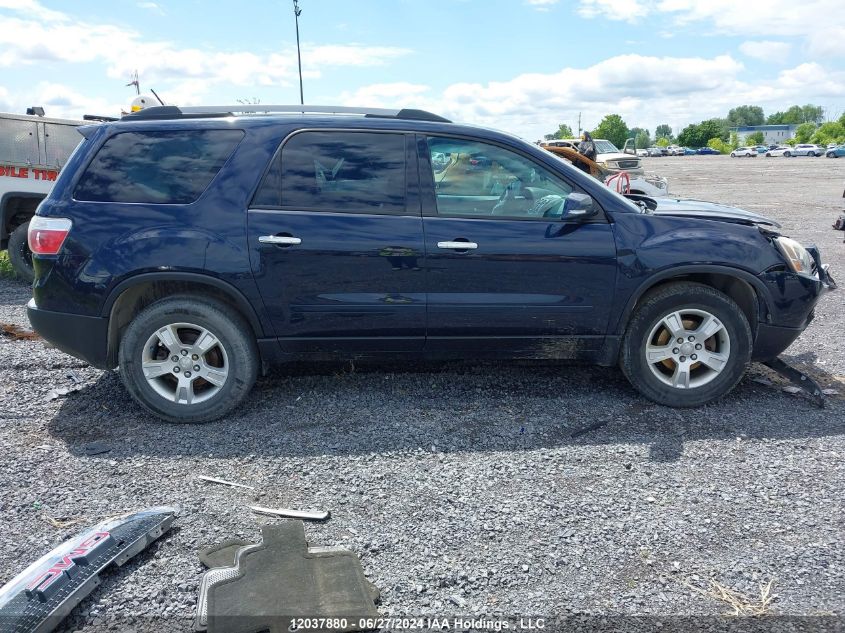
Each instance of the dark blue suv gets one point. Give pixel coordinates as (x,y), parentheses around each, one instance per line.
(194,247)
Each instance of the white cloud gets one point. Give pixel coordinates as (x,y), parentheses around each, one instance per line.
(645,90)
(766,50)
(57,37)
(541,5)
(399,94)
(821,23)
(32,9)
(151,6)
(58,100)
(626,10)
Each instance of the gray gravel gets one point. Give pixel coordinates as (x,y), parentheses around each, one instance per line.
(461,485)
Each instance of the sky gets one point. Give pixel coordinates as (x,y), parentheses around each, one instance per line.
(523,66)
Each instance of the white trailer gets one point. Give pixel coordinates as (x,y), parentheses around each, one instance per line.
(33,149)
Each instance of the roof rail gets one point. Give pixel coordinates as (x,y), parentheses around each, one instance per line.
(174,112)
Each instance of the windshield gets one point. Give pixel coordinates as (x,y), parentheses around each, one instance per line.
(606,147)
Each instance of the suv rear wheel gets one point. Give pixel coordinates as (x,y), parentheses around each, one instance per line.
(187,359)
(687,344)
(19,253)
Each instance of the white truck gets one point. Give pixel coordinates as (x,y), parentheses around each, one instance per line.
(32,151)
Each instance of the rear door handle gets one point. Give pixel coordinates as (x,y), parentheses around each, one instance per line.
(457,245)
(281,240)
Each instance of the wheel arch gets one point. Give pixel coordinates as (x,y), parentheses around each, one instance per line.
(744,288)
(16,207)
(134,294)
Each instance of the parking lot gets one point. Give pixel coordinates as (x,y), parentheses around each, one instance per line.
(465,488)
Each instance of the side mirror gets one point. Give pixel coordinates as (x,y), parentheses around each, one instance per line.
(578,206)
(630,147)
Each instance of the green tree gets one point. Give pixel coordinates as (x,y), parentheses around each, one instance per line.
(612,128)
(746,115)
(830,132)
(563,131)
(719,145)
(697,135)
(734,140)
(663,131)
(755,138)
(642,139)
(812,114)
(804,131)
(797,115)
(662,142)
(689,136)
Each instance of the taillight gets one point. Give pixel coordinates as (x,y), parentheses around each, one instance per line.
(46,235)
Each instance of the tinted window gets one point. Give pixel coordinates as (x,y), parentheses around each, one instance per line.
(344,171)
(477,179)
(156,167)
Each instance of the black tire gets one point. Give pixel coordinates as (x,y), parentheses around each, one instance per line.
(787,154)
(680,297)
(19,254)
(237,351)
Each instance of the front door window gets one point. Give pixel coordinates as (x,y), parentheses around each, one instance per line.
(473,179)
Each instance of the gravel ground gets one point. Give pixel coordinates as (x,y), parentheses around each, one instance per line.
(466,488)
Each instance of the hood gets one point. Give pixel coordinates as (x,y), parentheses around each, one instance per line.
(705,210)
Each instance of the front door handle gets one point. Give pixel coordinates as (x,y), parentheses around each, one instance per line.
(280,240)
(457,245)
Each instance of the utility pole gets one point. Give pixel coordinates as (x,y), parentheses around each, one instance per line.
(296,12)
(579,125)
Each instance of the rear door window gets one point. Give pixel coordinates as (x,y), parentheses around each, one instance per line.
(352,172)
(172,167)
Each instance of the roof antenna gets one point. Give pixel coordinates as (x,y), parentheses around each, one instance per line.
(155,94)
(137,85)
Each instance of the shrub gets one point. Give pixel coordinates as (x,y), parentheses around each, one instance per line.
(719,145)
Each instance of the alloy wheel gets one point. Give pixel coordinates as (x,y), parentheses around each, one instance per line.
(185,363)
(687,348)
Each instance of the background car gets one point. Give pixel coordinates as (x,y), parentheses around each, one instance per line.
(806,149)
(744,151)
(688,151)
(708,150)
(674,150)
(655,151)
(609,156)
(642,153)
(762,149)
(836,152)
(783,150)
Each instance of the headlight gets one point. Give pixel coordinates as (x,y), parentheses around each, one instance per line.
(799,259)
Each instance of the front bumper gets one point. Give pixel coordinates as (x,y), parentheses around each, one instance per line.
(794,297)
(83,337)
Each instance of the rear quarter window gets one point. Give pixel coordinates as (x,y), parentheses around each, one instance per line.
(172,167)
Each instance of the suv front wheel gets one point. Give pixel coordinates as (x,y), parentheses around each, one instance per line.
(687,344)
(187,359)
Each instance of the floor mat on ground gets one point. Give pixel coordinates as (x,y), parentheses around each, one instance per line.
(281,580)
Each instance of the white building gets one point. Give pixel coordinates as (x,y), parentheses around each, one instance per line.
(772,134)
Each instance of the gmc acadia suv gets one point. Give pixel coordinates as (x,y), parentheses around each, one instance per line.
(194,247)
